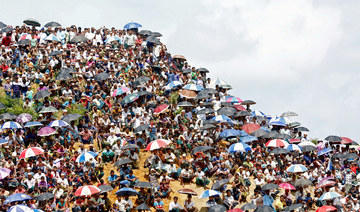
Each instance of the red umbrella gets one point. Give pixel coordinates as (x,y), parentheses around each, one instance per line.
(157,144)
(287,186)
(31,152)
(161,109)
(87,190)
(294,141)
(239,107)
(276,143)
(187,191)
(345,140)
(29,36)
(326,208)
(236,210)
(251,127)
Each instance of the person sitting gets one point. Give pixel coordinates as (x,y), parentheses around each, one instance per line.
(86,136)
(159,205)
(175,206)
(186,175)
(164,188)
(229,200)
(112,179)
(108,155)
(201,179)
(131,178)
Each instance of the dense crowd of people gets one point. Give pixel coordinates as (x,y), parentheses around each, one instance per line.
(104,97)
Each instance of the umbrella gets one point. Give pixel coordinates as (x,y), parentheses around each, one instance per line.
(48,110)
(351,156)
(202,70)
(132,25)
(207,127)
(70,117)
(259,133)
(33,124)
(284,136)
(141,128)
(145,32)
(42,94)
(87,190)
(308,148)
(143,207)
(210,121)
(294,141)
(239,107)
(161,109)
(141,80)
(289,114)
(2,106)
(52,38)
(326,208)
(276,143)
(4,172)
(2,25)
(28,37)
(251,127)
(112,39)
(7,116)
(24,117)
(333,138)
(201,149)
(101,77)
(278,151)
(130,146)
(239,147)
(329,195)
(31,152)
(326,184)
(339,155)
(126,192)
(32,22)
(227,111)
(120,91)
(324,151)
(287,186)
(221,119)
(130,98)
(303,182)
(105,188)
(54,53)
(157,144)
(45,196)
(346,140)
(79,39)
(152,39)
(264,208)
(141,184)
(24,42)
(144,93)
(185,104)
(293,207)
(52,24)
(269,186)
(46,131)
(64,76)
(217,208)
(174,84)
(188,94)
(248,206)
(122,161)
(232,133)
(193,87)
(248,102)
(233,99)
(68,71)
(242,113)
(209,193)
(17,198)
(306,143)
(202,95)
(20,208)
(219,184)
(210,91)
(206,111)
(271,134)
(86,156)
(58,123)
(302,129)
(179,57)
(297,168)
(11,125)
(187,191)
(257,113)
(293,147)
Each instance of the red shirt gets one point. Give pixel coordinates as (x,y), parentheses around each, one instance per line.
(6,41)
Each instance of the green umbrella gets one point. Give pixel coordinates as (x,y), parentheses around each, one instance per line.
(130,98)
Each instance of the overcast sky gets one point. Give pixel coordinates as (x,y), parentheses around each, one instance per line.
(301,56)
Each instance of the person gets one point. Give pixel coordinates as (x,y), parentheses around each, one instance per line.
(229,200)
(268,200)
(113,178)
(175,206)
(210,202)
(62,205)
(201,179)
(189,205)
(186,175)
(159,205)
(127,203)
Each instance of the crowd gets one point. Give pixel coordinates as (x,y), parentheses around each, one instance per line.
(133,98)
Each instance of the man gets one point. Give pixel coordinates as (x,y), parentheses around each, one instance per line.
(108,155)
(268,199)
(189,205)
(201,179)
(175,206)
(127,203)
(186,175)
(211,202)
(112,179)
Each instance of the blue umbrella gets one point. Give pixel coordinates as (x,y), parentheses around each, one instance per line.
(20,208)
(222,118)
(293,147)
(243,133)
(209,193)
(132,25)
(257,113)
(33,124)
(86,156)
(230,133)
(239,147)
(193,87)
(248,139)
(58,123)
(174,84)
(3,141)
(17,198)
(126,192)
(324,151)
(11,125)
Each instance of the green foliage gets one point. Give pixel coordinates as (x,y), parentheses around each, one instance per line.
(76,108)
(15,106)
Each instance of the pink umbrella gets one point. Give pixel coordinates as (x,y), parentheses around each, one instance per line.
(239,107)
(120,91)
(28,36)
(287,186)
(4,172)
(46,131)
(325,184)
(157,144)
(161,109)
(31,152)
(24,117)
(346,140)
(87,190)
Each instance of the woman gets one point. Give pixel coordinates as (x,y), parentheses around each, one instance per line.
(62,205)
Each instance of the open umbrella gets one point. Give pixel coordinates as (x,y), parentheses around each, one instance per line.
(101,77)
(293,207)
(251,127)
(143,207)
(42,94)
(287,186)
(24,117)
(112,39)
(219,184)
(58,123)
(188,94)
(207,127)
(242,113)
(227,111)
(120,91)
(132,25)
(33,124)
(206,111)
(259,133)
(130,98)
(210,121)
(297,168)
(122,161)
(6,29)
(2,25)
(161,109)
(105,188)
(32,22)
(45,196)
(126,192)
(19,197)
(333,138)
(87,190)
(221,118)
(193,87)
(248,102)
(201,149)
(24,42)
(301,129)
(278,151)
(185,104)
(79,39)
(7,116)
(289,114)
(179,57)
(141,128)
(293,147)
(326,184)
(324,151)
(4,172)
(31,152)
(145,32)
(308,148)
(248,206)
(52,38)
(70,117)
(302,182)
(142,184)
(187,191)
(46,131)
(264,208)
(326,208)
(152,39)
(269,186)
(345,140)
(52,24)
(248,139)
(217,208)
(233,99)
(86,156)
(141,80)
(157,144)
(239,147)
(10,125)
(271,134)
(329,195)
(209,193)
(20,208)
(202,70)
(64,76)
(130,146)
(276,143)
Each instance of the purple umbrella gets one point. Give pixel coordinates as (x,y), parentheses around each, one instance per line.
(24,117)
(46,131)
(4,172)
(326,178)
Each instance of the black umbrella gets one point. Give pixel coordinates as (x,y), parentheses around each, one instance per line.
(79,39)
(271,134)
(259,133)
(352,156)
(308,148)
(248,102)
(126,192)
(201,149)
(141,80)
(142,184)
(42,94)
(264,208)
(101,77)
(54,53)
(130,146)
(210,91)
(293,207)
(302,182)
(67,71)
(32,22)
(339,155)
(278,151)
(6,29)
(8,116)
(284,136)
(64,76)
(105,188)
(210,121)
(45,196)
(2,25)
(152,39)
(206,111)
(52,24)
(248,206)
(208,104)
(207,127)
(145,32)
(202,95)
(24,42)
(227,111)
(294,124)
(70,117)
(156,34)
(269,186)
(219,183)
(202,70)
(217,208)
(226,104)
(144,93)
(333,138)
(122,161)
(302,129)
(185,104)
(141,128)
(2,106)
(187,71)
(143,207)
(242,113)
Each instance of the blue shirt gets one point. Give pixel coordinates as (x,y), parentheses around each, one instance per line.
(112,178)
(268,200)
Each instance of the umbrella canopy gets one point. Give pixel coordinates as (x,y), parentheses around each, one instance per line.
(227,111)
(24,42)
(101,77)
(105,188)
(326,208)
(259,133)
(269,186)
(17,198)
(324,151)
(52,24)
(210,91)
(242,113)
(141,80)
(297,168)
(326,184)
(210,121)
(303,182)
(217,208)
(248,206)
(287,186)
(46,131)
(24,117)
(333,138)
(79,39)
(248,102)
(193,87)
(257,113)
(7,116)
(187,191)
(157,144)
(64,76)
(126,192)
(233,99)
(248,139)
(278,151)
(293,207)
(251,127)
(161,109)
(221,119)
(264,208)
(112,39)
(120,91)
(306,143)
(293,147)
(308,148)
(201,149)
(145,32)
(70,117)
(272,134)
(301,129)
(179,57)
(185,104)
(122,161)
(206,111)
(11,125)
(143,207)
(329,195)
(45,196)
(32,22)
(152,39)
(2,25)
(130,146)
(48,110)
(230,133)
(188,94)
(141,184)
(141,128)
(219,184)
(202,70)
(58,123)
(31,152)
(4,172)
(202,95)
(20,208)
(239,147)
(87,190)
(276,143)
(289,114)
(130,98)
(33,124)
(239,107)
(52,38)
(209,193)
(42,94)
(132,25)
(207,127)
(86,156)
(174,84)
(346,140)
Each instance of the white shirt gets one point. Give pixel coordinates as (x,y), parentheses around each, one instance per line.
(174,205)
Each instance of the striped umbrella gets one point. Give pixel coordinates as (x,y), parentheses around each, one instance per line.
(209,193)
(31,152)
(28,36)
(46,131)
(11,125)
(293,147)
(239,147)
(329,195)
(174,84)
(251,127)
(287,186)
(24,117)
(326,208)
(222,118)
(188,94)
(58,123)
(157,144)
(161,109)
(20,208)
(120,91)
(324,151)
(52,38)
(4,172)
(296,168)
(193,87)
(257,113)
(276,143)
(86,156)
(87,190)
(233,99)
